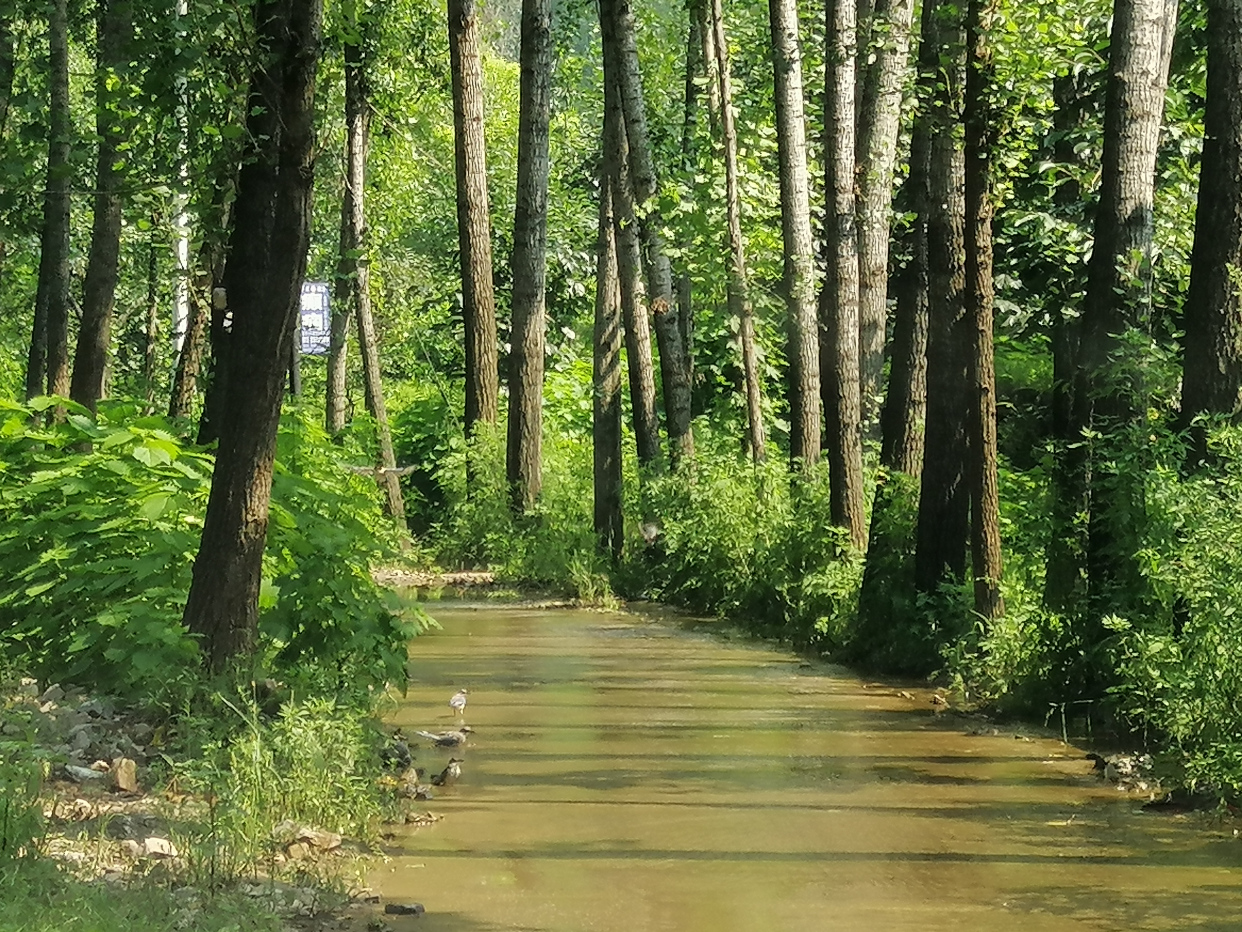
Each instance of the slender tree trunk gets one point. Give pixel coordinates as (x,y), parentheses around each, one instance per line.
(638,355)
(799,247)
(1068,543)
(617,26)
(8,65)
(606,378)
(190,359)
(358,130)
(906,402)
(738,289)
(474,229)
(980,139)
(879,118)
(839,298)
(1212,370)
(694,74)
(943,523)
(1108,400)
(47,366)
(336,393)
(530,237)
(267,261)
(114,35)
(151,340)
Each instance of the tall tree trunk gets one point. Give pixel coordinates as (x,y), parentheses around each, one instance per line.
(943,523)
(696,70)
(617,27)
(606,379)
(839,298)
(151,337)
(639,360)
(336,391)
(530,238)
(190,359)
(800,300)
(114,35)
(474,230)
(905,403)
(358,131)
(1108,401)
(738,289)
(8,65)
(47,366)
(980,139)
(883,73)
(1212,369)
(1068,543)
(267,261)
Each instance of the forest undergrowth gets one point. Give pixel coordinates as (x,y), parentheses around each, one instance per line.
(99,522)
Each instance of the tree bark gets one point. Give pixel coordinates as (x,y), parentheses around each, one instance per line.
(980,139)
(1212,365)
(8,65)
(905,403)
(943,522)
(151,336)
(47,366)
(357,259)
(474,229)
(266,265)
(639,361)
(530,236)
(738,288)
(336,390)
(114,34)
(606,378)
(879,118)
(1107,399)
(800,300)
(839,298)
(617,27)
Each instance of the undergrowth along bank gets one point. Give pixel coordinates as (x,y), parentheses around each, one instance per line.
(744,541)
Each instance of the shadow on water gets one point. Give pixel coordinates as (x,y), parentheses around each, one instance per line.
(643,775)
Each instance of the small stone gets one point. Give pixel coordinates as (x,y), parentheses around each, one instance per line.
(101,765)
(155,847)
(82,774)
(131,848)
(404,909)
(28,687)
(297,851)
(47,707)
(125,775)
(53,693)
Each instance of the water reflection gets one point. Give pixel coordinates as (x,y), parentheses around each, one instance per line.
(628,774)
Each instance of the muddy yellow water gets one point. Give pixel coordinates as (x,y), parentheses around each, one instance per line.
(634,775)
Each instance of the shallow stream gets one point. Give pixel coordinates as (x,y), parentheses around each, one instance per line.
(641,775)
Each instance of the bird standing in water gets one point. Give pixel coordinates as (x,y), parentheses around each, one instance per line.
(449,774)
(458,702)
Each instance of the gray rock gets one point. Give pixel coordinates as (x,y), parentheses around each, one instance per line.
(83,774)
(53,693)
(404,909)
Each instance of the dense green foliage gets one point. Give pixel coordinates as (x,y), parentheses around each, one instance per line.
(100,528)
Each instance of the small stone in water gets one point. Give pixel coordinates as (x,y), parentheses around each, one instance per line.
(404,909)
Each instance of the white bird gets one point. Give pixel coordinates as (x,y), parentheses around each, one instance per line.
(447,739)
(458,702)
